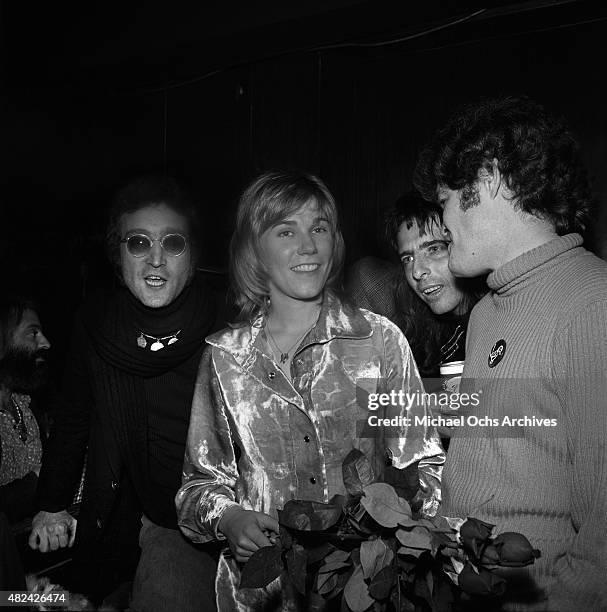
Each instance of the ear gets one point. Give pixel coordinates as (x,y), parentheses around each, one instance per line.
(491,179)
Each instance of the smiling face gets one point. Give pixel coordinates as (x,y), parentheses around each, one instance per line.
(424,255)
(297,255)
(155,279)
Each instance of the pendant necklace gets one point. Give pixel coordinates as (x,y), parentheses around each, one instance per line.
(158,343)
(284,356)
(19,426)
(452,345)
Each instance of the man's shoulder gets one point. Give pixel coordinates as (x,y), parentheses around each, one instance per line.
(564,290)
(371,283)
(481,307)
(370,267)
(588,265)
(580,281)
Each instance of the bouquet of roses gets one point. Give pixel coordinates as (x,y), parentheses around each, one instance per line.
(371,550)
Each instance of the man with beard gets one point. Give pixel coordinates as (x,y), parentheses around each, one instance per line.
(23,348)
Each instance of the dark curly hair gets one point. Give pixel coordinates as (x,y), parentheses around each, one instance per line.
(535,152)
(150,190)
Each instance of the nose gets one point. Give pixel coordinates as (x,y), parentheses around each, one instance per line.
(156,256)
(420,268)
(42,341)
(306,244)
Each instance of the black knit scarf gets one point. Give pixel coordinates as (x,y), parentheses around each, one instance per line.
(114,326)
(120,365)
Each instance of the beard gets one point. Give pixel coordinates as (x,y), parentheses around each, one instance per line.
(21,372)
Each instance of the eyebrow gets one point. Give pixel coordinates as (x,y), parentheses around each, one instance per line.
(423,245)
(165,231)
(291,222)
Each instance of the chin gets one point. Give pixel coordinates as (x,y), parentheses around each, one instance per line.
(447,305)
(459,268)
(159,302)
(444,310)
(155,303)
(308,296)
(307,293)
(154,300)
(439,309)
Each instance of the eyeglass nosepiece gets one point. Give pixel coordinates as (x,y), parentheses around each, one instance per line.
(139,245)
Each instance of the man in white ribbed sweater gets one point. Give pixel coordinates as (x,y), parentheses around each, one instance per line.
(515,200)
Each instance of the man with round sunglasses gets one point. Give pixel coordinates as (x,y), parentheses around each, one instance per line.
(127,395)
(139,245)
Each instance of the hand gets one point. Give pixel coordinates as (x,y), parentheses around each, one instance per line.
(52,530)
(247,531)
(445,412)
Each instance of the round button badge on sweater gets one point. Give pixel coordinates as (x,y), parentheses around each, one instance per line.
(496,354)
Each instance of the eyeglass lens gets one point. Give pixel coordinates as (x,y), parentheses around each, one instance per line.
(140,245)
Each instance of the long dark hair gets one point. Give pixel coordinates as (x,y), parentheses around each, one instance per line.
(425,331)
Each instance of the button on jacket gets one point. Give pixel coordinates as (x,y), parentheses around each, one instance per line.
(292,436)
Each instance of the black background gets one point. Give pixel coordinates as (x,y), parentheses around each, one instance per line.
(92,95)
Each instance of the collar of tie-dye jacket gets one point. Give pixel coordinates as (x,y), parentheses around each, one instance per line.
(337,319)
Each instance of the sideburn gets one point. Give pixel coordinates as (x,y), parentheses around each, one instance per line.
(469,196)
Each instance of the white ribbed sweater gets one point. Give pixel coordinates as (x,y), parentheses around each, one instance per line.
(549,306)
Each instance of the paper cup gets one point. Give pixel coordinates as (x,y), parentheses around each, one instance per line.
(451,373)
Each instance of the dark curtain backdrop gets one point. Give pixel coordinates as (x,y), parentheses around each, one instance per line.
(357,117)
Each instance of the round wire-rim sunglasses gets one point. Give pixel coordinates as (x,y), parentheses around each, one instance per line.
(139,245)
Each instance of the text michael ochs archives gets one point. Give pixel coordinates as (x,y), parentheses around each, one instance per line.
(441,410)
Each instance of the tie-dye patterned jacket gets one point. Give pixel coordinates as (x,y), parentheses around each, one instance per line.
(293,436)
